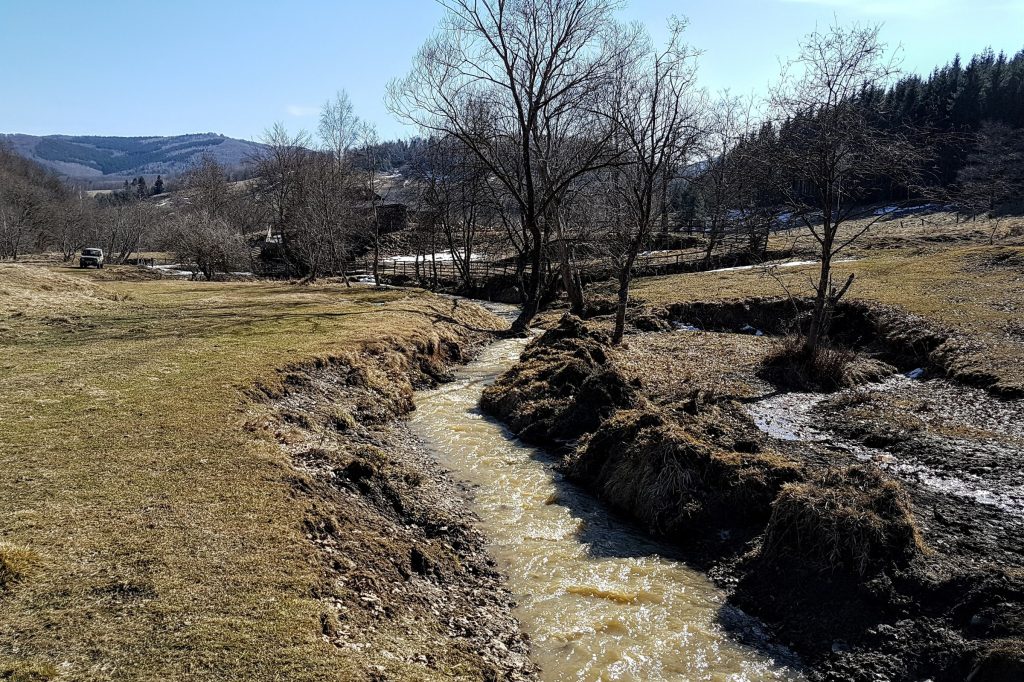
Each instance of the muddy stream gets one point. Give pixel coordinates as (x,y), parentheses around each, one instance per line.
(599,600)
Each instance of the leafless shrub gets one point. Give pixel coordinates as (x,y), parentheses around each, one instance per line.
(209,245)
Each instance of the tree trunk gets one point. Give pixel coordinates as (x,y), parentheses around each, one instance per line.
(376,252)
(817,328)
(531,298)
(664,200)
(572,292)
(713,237)
(623,302)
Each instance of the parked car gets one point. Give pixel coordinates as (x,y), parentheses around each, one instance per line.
(91,258)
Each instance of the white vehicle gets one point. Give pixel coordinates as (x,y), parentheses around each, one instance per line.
(91,258)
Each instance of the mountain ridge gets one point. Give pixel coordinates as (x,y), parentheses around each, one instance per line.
(111,158)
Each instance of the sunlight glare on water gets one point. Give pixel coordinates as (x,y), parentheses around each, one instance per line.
(599,600)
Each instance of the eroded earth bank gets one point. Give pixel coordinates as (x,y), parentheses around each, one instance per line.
(407,587)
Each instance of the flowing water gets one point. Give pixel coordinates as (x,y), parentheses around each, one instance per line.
(599,599)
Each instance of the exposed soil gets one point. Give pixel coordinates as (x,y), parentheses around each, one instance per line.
(878,533)
(407,587)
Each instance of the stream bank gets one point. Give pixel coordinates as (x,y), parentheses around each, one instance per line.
(408,589)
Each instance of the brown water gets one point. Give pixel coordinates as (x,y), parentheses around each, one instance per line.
(599,600)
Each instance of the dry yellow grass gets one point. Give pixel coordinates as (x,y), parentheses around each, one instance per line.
(165,542)
(977,291)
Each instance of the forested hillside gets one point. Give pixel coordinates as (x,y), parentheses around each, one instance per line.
(114,158)
(966,118)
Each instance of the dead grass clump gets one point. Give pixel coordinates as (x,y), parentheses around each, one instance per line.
(792,365)
(999,661)
(600,395)
(341,420)
(552,381)
(649,466)
(26,672)
(648,320)
(15,564)
(597,306)
(853,519)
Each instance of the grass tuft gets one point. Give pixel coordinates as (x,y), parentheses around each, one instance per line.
(26,672)
(854,519)
(793,365)
(16,563)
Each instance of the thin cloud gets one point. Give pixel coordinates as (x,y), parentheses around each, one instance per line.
(300,112)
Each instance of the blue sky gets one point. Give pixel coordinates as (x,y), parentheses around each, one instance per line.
(234,67)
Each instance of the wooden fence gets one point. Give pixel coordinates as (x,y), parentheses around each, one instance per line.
(646,264)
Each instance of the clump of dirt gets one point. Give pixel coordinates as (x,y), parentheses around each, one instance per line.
(852,519)
(407,587)
(664,473)
(562,387)
(598,305)
(1001,661)
(647,320)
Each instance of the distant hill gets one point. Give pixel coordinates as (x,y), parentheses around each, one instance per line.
(95,158)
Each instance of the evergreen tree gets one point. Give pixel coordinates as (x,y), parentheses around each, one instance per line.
(158,186)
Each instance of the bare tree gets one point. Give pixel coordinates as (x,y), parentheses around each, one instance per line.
(369,150)
(21,206)
(493,76)
(329,216)
(993,173)
(655,112)
(339,129)
(206,186)
(74,224)
(208,244)
(830,153)
(127,224)
(724,172)
(280,182)
(455,189)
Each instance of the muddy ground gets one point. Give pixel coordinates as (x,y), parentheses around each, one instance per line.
(954,448)
(876,529)
(407,587)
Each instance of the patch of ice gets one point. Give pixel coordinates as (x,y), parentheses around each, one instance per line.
(685,327)
(443,257)
(173,270)
(915,374)
(788,416)
(788,264)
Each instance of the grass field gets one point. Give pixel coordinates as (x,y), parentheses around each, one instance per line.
(144,533)
(975,290)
